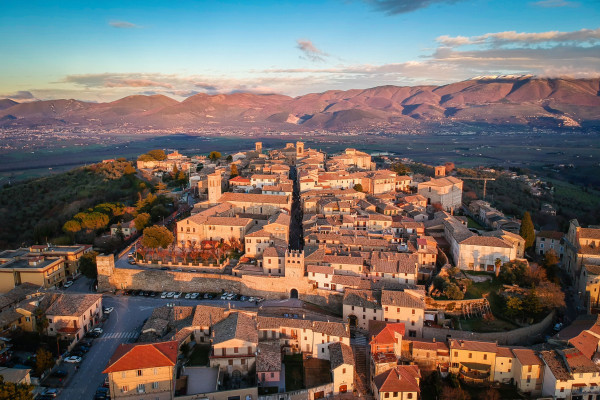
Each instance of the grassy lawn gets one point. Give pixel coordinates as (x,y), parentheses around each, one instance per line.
(293,372)
(477,290)
(482,326)
(471,223)
(199,355)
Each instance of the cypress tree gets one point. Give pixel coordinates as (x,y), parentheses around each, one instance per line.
(527,231)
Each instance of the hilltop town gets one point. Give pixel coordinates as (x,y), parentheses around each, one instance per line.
(290,273)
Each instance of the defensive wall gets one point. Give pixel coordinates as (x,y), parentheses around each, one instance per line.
(155,279)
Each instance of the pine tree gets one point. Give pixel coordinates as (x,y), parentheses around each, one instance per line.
(527,231)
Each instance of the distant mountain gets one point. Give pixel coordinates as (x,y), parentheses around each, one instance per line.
(527,100)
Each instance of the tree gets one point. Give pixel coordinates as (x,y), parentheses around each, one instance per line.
(44,361)
(229,158)
(41,322)
(15,391)
(527,230)
(457,393)
(449,167)
(129,169)
(161,187)
(141,221)
(119,233)
(453,292)
(514,307)
(513,272)
(550,295)
(214,156)
(400,169)
(158,155)
(87,265)
(358,187)
(157,237)
(234,171)
(490,394)
(551,261)
(531,303)
(72,226)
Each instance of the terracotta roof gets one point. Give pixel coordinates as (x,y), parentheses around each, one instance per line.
(331,328)
(489,241)
(208,316)
(578,362)
(319,269)
(237,325)
(139,356)
(360,298)
(72,304)
(592,269)
(240,179)
(264,322)
(401,299)
(402,378)
(253,198)
(589,233)
(487,347)
(339,354)
(387,334)
(228,221)
(504,352)
(527,357)
(268,358)
(551,235)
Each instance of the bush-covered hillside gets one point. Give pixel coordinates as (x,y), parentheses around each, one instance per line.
(35,211)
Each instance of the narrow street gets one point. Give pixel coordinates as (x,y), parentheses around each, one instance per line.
(296,239)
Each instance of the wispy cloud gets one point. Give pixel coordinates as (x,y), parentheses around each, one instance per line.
(18,96)
(555,3)
(393,7)
(123,24)
(310,51)
(583,36)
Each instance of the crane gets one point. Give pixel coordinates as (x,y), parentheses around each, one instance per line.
(479,179)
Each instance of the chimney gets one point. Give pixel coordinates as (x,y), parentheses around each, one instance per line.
(433,340)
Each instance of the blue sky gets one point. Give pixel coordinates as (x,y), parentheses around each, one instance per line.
(68,49)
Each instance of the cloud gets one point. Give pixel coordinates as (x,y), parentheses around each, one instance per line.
(393,7)
(205,86)
(123,24)
(20,95)
(582,36)
(136,83)
(555,3)
(117,80)
(310,51)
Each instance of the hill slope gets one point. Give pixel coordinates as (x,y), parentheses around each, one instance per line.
(521,101)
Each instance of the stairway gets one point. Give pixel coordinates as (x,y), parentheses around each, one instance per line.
(361,370)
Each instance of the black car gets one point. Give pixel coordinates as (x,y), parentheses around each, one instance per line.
(152,294)
(60,373)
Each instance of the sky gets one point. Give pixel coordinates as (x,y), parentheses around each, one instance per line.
(105,50)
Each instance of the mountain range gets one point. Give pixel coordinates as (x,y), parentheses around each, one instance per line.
(549,102)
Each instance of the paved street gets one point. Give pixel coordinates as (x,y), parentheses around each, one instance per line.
(122,326)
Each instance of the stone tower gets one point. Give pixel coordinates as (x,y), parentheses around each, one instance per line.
(214,188)
(258,147)
(299,149)
(294,263)
(106,268)
(440,171)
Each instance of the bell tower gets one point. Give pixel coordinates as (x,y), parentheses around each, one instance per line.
(299,149)
(214,187)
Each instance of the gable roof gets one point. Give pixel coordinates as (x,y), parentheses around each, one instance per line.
(140,356)
(387,334)
(340,353)
(236,326)
(402,378)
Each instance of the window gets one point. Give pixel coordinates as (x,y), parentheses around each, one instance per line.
(409,396)
(125,389)
(139,372)
(243,361)
(387,395)
(123,374)
(141,388)
(529,368)
(154,385)
(272,375)
(456,354)
(485,356)
(230,362)
(413,311)
(343,370)
(470,355)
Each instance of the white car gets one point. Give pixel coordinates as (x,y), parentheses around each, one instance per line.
(97,330)
(108,310)
(188,295)
(194,296)
(177,295)
(170,295)
(68,284)
(73,360)
(224,296)
(231,296)
(163,295)
(252,299)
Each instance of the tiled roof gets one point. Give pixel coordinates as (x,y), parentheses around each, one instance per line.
(319,269)
(140,356)
(208,316)
(272,323)
(401,299)
(551,235)
(72,304)
(402,378)
(237,325)
(487,347)
(339,354)
(578,362)
(268,358)
(387,334)
(228,221)
(489,241)
(589,233)
(504,352)
(527,357)
(253,198)
(593,269)
(331,328)
(360,298)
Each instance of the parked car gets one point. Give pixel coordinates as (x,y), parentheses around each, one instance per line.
(81,348)
(164,268)
(224,296)
(108,310)
(51,392)
(170,295)
(97,330)
(60,373)
(152,294)
(73,359)
(163,295)
(194,296)
(177,295)
(188,296)
(68,284)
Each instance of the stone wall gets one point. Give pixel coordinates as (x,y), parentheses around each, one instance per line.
(520,336)
(272,288)
(302,394)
